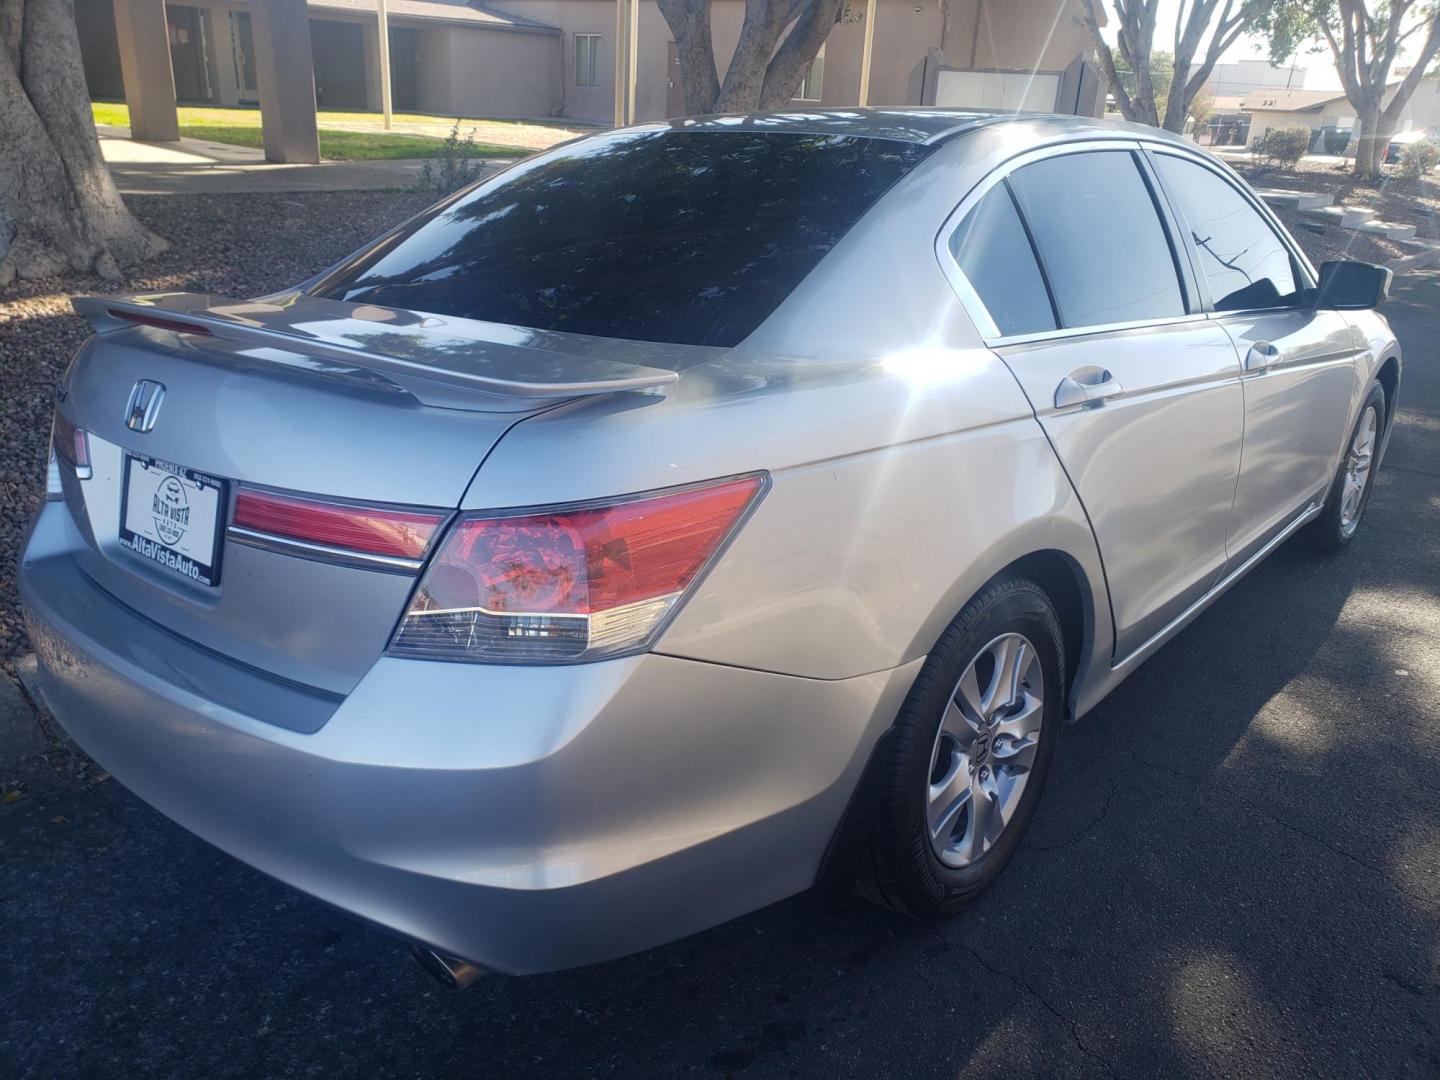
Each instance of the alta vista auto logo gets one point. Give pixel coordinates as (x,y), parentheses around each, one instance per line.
(171,509)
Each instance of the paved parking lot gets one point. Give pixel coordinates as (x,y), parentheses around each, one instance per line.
(1236,871)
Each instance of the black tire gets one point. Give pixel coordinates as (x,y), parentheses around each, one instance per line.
(1329,532)
(900,868)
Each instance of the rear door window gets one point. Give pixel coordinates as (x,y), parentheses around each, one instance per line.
(669,236)
(991,247)
(1101,244)
(1244,262)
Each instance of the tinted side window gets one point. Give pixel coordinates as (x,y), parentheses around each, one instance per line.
(685,237)
(1104,250)
(1245,263)
(991,247)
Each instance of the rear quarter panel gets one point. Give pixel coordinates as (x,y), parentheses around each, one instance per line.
(907,465)
(893,500)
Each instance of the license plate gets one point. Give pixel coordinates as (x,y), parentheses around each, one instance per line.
(171,516)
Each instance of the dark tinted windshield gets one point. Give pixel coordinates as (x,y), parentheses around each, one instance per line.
(685,237)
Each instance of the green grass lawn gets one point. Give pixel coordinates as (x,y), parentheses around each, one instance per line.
(241,127)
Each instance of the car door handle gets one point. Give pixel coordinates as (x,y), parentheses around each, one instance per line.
(1261,355)
(1086,386)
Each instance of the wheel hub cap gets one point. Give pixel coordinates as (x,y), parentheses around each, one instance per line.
(984,750)
(1358,461)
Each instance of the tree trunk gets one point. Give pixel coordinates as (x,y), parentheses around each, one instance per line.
(795,55)
(59,209)
(1369,150)
(760,75)
(689,22)
(745,78)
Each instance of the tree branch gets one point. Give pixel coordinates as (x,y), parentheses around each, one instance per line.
(1107,59)
(1428,51)
(689,22)
(788,66)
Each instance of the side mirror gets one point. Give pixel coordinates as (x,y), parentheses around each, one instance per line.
(1352,286)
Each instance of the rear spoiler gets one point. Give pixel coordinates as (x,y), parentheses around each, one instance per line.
(439,360)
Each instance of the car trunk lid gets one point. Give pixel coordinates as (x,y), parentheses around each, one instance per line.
(320,400)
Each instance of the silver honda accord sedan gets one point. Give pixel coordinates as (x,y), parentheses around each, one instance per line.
(689,514)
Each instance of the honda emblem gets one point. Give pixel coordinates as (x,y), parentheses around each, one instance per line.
(144,407)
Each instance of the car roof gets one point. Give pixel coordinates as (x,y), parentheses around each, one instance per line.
(922,125)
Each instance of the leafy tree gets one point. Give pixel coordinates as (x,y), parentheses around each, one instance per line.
(1162,75)
(760,75)
(456,164)
(1365,38)
(1419,158)
(59,209)
(1204,29)
(1201,108)
(1283,146)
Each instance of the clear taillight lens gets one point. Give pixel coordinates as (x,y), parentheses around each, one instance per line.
(54,485)
(71,446)
(571,583)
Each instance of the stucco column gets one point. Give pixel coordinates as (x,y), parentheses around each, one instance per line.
(144,42)
(286,74)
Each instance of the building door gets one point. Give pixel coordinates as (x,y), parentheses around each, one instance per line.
(187,53)
(338,50)
(674,88)
(242,45)
(404,61)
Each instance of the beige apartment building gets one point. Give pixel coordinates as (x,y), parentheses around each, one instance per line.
(1332,119)
(538,59)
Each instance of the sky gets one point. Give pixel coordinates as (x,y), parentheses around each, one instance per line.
(1319,67)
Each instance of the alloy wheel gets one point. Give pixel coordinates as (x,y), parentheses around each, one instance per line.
(984,750)
(1358,461)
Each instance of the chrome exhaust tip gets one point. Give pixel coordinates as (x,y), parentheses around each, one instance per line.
(449,970)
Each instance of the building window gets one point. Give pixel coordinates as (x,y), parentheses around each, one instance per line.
(813,86)
(587,51)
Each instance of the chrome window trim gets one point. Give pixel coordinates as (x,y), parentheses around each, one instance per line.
(965,291)
(284,545)
(1090,331)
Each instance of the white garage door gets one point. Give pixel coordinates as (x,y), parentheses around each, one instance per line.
(1004,91)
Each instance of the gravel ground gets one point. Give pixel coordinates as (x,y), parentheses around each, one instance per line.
(1323,242)
(1394,198)
(237,245)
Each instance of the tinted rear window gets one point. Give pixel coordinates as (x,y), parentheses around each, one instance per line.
(1104,250)
(685,237)
(991,247)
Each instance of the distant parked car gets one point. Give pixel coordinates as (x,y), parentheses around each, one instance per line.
(689,513)
(1396,148)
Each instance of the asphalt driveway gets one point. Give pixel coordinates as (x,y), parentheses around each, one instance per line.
(1236,871)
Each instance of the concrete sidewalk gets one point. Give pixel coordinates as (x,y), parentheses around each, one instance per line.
(195,166)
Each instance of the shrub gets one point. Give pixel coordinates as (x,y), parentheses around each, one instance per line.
(1419,158)
(1284,146)
(457,164)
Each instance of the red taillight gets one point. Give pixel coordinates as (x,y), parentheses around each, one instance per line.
(402,534)
(72,446)
(178,326)
(568,584)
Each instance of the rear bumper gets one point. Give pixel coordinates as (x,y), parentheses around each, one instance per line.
(525,819)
